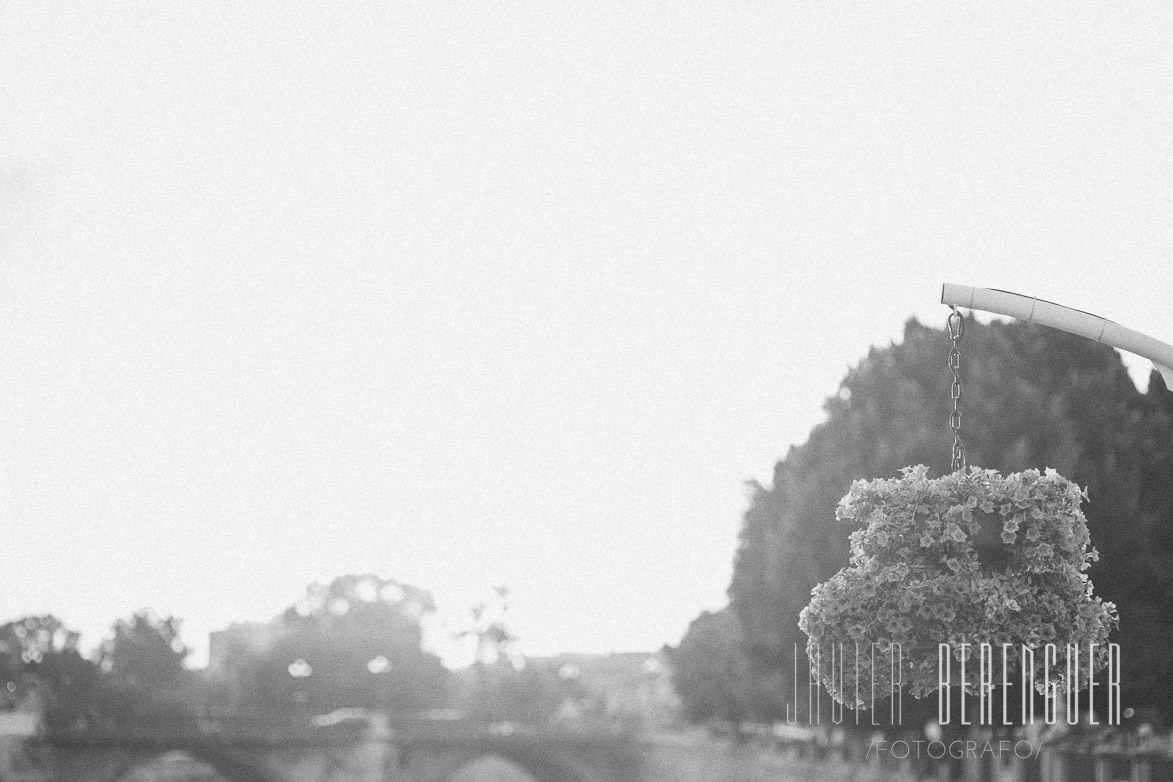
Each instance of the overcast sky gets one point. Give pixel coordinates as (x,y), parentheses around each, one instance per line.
(511,292)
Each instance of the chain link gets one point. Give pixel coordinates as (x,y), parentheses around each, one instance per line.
(956,327)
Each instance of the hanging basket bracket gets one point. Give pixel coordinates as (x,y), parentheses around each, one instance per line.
(1056,316)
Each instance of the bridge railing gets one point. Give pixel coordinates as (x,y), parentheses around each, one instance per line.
(200,725)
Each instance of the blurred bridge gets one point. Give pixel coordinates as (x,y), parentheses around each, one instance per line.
(347,746)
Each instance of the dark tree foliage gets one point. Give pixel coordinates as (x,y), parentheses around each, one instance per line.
(356,642)
(709,670)
(145,653)
(1033,397)
(145,686)
(42,651)
(133,685)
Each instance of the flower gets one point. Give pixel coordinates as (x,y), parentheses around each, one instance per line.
(916,577)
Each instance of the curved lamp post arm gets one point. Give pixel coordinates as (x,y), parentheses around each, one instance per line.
(1065,319)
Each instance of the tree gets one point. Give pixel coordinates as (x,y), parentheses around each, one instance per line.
(26,644)
(42,650)
(709,670)
(1033,397)
(493,637)
(503,686)
(355,642)
(134,684)
(145,686)
(145,653)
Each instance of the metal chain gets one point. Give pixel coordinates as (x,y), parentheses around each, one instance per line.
(956,326)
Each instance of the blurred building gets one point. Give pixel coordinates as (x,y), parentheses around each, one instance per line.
(230,652)
(620,686)
(21,718)
(227,648)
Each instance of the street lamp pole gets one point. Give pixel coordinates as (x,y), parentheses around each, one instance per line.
(1066,319)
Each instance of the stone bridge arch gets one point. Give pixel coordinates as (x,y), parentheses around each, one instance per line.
(351,747)
(446,767)
(369,761)
(545,757)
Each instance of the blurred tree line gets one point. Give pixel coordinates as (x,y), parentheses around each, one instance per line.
(358,641)
(135,680)
(1032,397)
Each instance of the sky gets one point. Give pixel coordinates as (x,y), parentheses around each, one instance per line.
(519,293)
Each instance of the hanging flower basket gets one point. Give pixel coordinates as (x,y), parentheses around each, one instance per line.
(969,558)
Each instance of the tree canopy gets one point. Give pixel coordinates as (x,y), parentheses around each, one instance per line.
(709,669)
(357,641)
(145,652)
(135,680)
